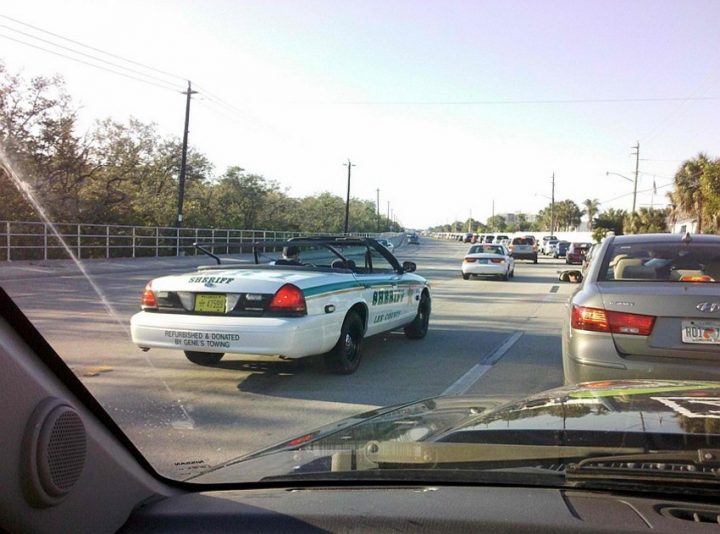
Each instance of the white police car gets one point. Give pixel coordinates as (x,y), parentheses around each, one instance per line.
(338,291)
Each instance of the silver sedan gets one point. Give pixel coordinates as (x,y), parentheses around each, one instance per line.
(648,307)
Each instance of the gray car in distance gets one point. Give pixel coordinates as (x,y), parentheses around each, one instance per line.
(648,307)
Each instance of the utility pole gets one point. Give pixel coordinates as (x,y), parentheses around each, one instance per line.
(349,165)
(637,165)
(492,218)
(388,215)
(378,210)
(183,165)
(552,207)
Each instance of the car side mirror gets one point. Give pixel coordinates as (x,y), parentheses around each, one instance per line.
(574,277)
(409,266)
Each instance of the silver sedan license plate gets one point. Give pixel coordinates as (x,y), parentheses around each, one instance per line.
(701,332)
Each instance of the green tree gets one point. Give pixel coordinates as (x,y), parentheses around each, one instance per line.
(645,221)
(710,189)
(567,215)
(240,199)
(323,213)
(496,223)
(136,181)
(37,125)
(610,220)
(592,207)
(688,194)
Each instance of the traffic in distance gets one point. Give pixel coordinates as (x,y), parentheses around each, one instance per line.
(648,305)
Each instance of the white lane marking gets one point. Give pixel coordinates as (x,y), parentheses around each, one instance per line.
(466,381)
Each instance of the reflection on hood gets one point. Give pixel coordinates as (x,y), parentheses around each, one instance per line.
(651,415)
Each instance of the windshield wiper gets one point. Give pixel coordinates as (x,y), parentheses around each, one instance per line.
(375,454)
(691,466)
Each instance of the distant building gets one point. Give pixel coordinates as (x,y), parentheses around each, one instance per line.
(513,218)
(683,224)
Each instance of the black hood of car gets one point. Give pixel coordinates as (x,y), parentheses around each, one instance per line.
(646,415)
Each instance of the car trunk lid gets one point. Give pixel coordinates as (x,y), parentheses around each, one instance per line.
(677,307)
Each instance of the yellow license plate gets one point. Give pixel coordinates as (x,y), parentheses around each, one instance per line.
(210,303)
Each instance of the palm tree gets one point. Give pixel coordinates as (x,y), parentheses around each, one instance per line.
(646,221)
(592,208)
(688,195)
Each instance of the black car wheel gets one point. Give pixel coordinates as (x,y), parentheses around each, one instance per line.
(419,327)
(344,357)
(466,276)
(204,358)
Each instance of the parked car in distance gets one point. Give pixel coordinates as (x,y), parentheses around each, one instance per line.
(649,306)
(413,239)
(560,249)
(589,257)
(523,248)
(576,252)
(488,260)
(499,238)
(548,247)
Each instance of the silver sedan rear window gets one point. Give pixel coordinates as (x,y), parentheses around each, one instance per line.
(665,262)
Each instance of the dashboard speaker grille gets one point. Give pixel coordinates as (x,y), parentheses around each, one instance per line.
(55,449)
(66,448)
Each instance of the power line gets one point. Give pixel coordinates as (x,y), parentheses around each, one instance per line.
(161,80)
(641,191)
(167,87)
(94,48)
(518,102)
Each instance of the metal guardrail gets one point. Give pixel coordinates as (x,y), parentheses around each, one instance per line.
(21,240)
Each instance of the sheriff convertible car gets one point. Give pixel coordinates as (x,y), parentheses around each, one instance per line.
(322,296)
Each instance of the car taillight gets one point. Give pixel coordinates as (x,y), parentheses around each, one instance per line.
(599,320)
(148,302)
(697,278)
(497,260)
(470,260)
(288,298)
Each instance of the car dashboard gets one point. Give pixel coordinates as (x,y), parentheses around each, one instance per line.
(106,485)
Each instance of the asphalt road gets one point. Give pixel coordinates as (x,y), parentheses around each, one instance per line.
(486,337)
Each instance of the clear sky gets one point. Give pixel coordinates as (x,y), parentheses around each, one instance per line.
(444,106)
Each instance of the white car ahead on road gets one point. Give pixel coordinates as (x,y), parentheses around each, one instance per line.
(488,260)
(324,302)
(548,247)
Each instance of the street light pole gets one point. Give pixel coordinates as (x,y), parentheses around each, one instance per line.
(183,166)
(552,207)
(637,164)
(378,210)
(349,165)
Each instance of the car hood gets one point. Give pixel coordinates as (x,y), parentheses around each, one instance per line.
(641,413)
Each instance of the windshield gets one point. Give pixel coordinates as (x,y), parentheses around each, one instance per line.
(486,249)
(244,224)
